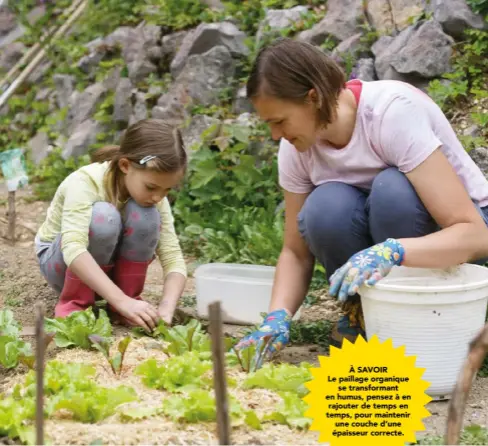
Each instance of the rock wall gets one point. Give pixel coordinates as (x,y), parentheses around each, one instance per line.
(415,45)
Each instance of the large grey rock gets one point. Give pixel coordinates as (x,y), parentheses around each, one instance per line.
(207,36)
(380,17)
(283,18)
(480,157)
(140,68)
(113,78)
(123,102)
(341,21)
(456,16)
(39,147)
(139,110)
(84,105)
(64,85)
(422,50)
(11,54)
(200,83)
(392,16)
(135,42)
(87,64)
(172,42)
(8,21)
(364,70)
(351,46)
(427,53)
(241,102)
(192,133)
(83,136)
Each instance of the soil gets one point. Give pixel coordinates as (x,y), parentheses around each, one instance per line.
(22,286)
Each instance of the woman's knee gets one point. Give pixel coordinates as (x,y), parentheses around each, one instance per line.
(329,213)
(395,209)
(106,225)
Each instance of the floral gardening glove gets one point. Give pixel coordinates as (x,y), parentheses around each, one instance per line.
(277,323)
(367,266)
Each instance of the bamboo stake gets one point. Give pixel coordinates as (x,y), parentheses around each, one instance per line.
(478,349)
(11,216)
(39,56)
(33,49)
(220,381)
(40,347)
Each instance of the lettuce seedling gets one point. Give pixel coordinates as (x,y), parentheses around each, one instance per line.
(103,345)
(13,350)
(75,329)
(177,374)
(290,412)
(281,377)
(199,405)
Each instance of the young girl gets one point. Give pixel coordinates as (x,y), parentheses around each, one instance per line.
(373,177)
(108,221)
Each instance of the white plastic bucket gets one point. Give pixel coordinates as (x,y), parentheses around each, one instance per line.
(435,314)
(243,290)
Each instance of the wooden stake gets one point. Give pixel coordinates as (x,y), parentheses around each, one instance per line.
(220,381)
(478,349)
(40,347)
(11,216)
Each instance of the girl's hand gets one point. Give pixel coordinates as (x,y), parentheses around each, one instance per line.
(166,310)
(139,313)
(367,266)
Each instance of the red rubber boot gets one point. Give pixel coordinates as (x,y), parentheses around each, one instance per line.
(75,296)
(130,277)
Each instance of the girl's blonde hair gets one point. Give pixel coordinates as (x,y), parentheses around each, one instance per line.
(146,138)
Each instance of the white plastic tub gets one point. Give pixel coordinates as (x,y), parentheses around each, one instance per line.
(435,314)
(243,290)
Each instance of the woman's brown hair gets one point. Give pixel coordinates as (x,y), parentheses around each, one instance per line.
(146,138)
(288,69)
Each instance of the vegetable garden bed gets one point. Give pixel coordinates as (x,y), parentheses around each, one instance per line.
(159,390)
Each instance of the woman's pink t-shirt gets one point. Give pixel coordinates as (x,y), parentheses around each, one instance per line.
(397,125)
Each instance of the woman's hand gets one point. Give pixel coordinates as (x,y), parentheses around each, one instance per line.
(277,324)
(367,266)
(139,313)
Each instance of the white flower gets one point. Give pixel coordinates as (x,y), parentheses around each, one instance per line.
(363,260)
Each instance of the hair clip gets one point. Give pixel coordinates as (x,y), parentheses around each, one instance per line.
(147,159)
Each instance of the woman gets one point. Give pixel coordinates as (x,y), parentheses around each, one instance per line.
(373,176)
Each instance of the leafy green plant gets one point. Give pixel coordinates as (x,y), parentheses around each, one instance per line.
(52,171)
(12,349)
(472,435)
(181,338)
(16,419)
(479,6)
(290,412)
(177,374)
(282,377)
(75,329)
(131,414)
(103,345)
(228,209)
(467,76)
(71,386)
(198,405)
